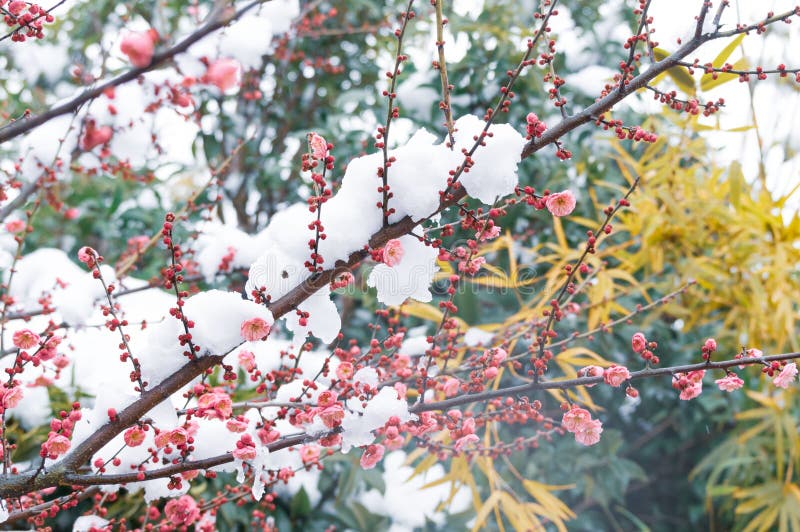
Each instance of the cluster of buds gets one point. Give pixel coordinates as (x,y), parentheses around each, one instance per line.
(28,19)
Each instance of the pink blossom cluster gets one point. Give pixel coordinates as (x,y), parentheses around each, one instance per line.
(579,422)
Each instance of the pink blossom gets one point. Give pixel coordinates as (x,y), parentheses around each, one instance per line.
(575,419)
(372,455)
(697,375)
(589,433)
(710,345)
(72,213)
(498,356)
(95,136)
(560,203)
(317,146)
(691,391)
(450,386)
(87,256)
(393,252)
(489,233)
(139,48)
(472,267)
(236,425)
(616,375)
(215,405)
(245,448)
(332,416)
(182,511)
(465,440)
(56,444)
(786,376)
(224,73)
(255,329)
(729,383)
(247,360)
(134,436)
(25,339)
(309,454)
(10,397)
(15,226)
(345,371)
(638,342)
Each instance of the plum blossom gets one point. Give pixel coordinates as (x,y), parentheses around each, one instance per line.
(139,48)
(182,511)
(15,226)
(590,433)
(729,383)
(134,436)
(372,455)
(247,360)
(255,329)
(691,391)
(224,73)
(215,404)
(25,339)
(317,146)
(309,454)
(786,376)
(56,445)
(465,440)
(10,397)
(392,252)
(616,375)
(575,419)
(560,203)
(245,448)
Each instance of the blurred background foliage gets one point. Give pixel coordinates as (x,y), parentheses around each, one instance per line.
(723,461)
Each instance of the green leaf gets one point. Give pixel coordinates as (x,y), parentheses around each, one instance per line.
(300,505)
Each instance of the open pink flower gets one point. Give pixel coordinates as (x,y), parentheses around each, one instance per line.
(56,444)
(332,416)
(786,376)
(15,226)
(729,383)
(25,339)
(589,433)
(134,436)
(560,203)
(616,375)
(575,419)
(215,404)
(10,397)
(345,371)
(182,511)
(393,252)
(451,386)
(372,455)
(309,454)
(139,48)
(691,391)
(255,329)
(224,74)
(247,360)
(465,440)
(317,146)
